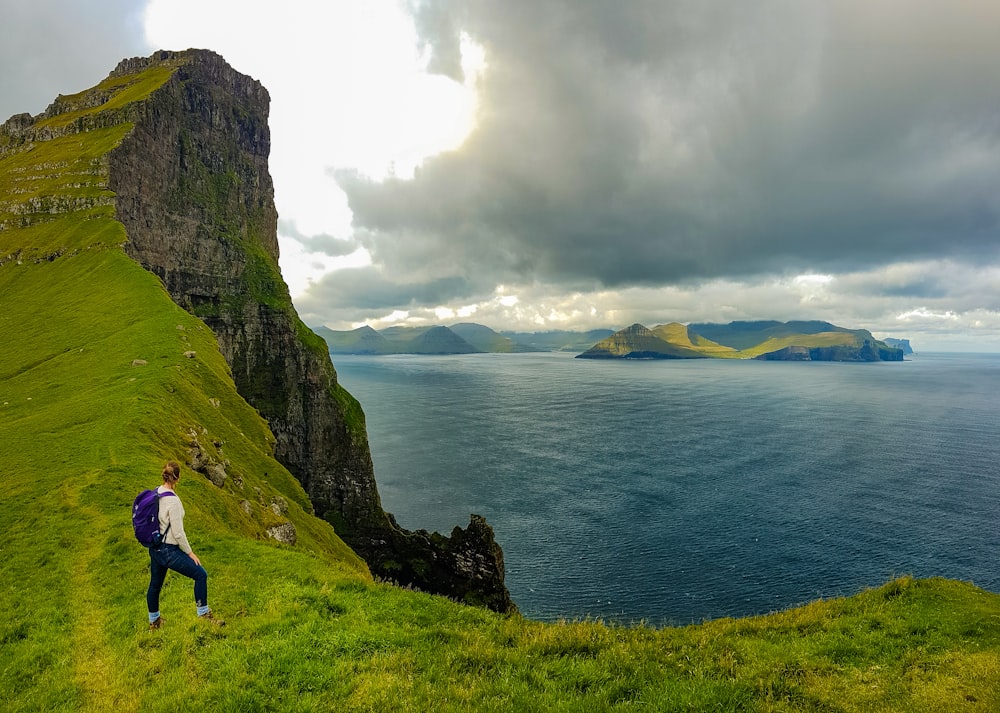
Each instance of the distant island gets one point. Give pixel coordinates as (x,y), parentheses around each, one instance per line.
(462,338)
(768,340)
(903,344)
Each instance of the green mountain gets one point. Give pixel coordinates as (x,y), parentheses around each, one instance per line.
(363,340)
(464,338)
(486,340)
(774,341)
(746,335)
(427,340)
(558,340)
(639,342)
(133,332)
(680,335)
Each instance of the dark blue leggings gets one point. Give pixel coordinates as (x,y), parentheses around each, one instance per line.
(172,557)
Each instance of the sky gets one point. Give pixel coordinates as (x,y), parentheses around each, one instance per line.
(573,164)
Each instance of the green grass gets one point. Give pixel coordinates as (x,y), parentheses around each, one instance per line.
(83,428)
(821,339)
(121,91)
(675,333)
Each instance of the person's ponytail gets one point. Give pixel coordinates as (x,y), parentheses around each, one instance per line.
(171,472)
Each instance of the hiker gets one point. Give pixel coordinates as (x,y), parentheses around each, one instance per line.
(175,553)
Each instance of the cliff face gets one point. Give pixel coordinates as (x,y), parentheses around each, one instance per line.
(194,193)
(867,351)
(192,188)
(903,344)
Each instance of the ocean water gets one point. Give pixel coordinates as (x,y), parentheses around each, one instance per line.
(676,491)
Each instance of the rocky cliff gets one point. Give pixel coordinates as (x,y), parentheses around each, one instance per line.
(868,350)
(191,185)
(903,344)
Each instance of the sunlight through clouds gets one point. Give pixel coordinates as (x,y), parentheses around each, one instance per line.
(811,287)
(349,89)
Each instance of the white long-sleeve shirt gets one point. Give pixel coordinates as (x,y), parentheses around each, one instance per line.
(172,513)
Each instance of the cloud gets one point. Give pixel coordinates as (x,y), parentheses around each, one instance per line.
(321,243)
(366,288)
(667,143)
(51,47)
(439,37)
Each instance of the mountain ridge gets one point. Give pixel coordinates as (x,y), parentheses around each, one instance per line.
(765,340)
(461,338)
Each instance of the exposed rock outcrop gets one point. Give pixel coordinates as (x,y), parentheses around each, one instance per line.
(903,344)
(193,190)
(284,533)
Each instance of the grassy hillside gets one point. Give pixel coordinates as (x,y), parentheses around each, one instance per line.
(640,342)
(749,336)
(96,392)
(676,333)
(821,339)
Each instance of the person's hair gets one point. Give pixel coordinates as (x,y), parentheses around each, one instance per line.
(171,472)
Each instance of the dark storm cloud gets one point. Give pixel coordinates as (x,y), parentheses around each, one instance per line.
(925,288)
(51,47)
(660,142)
(366,288)
(439,37)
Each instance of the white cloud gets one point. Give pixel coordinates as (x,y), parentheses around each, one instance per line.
(302,268)
(349,89)
(922,314)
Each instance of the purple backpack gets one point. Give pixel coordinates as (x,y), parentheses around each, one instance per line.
(146,518)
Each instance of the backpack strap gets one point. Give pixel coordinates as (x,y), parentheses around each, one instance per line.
(159,495)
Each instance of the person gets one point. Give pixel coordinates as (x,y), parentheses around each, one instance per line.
(175,554)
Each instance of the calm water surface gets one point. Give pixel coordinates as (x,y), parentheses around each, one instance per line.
(676,491)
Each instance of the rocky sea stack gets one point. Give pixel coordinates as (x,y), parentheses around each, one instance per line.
(191,185)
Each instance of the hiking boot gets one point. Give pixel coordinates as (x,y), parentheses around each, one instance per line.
(156,624)
(211,618)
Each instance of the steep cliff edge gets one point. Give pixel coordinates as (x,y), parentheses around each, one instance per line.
(191,185)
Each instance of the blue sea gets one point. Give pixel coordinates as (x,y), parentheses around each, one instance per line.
(672,492)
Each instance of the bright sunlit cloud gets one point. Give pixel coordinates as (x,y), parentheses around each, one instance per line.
(812,280)
(302,268)
(349,90)
(922,313)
